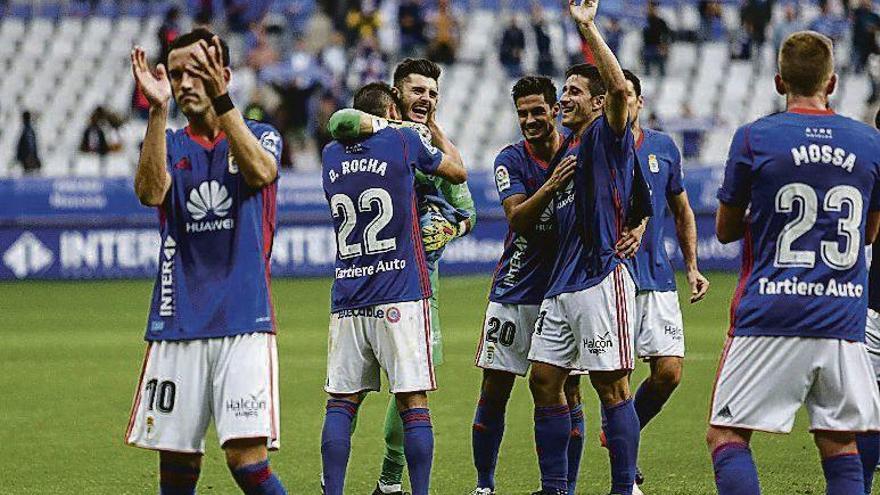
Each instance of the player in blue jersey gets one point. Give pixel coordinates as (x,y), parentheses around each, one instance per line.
(211,351)
(381,315)
(586,317)
(869,442)
(658,328)
(526,187)
(802,189)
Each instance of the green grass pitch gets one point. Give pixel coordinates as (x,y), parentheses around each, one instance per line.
(70,354)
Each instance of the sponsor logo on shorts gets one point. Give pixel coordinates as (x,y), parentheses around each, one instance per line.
(393,314)
(599,345)
(246,407)
(673,332)
(151,426)
(725,413)
(363,313)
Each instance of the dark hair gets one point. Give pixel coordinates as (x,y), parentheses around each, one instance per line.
(877,120)
(194,37)
(421,66)
(535,85)
(375,98)
(637,84)
(591,73)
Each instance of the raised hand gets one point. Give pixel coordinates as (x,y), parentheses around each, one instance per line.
(206,62)
(153,84)
(583,11)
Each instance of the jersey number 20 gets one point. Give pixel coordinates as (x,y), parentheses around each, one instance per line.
(370,199)
(847,227)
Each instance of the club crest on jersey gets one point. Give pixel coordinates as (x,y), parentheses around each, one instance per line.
(502,178)
(209,197)
(233,167)
(271,142)
(653,163)
(393,314)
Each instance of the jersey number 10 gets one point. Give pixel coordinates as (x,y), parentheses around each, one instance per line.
(847,227)
(373,198)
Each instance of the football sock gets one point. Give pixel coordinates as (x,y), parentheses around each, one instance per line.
(575,446)
(336,443)
(622,433)
(418,446)
(488,429)
(258,479)
(177,479)
(552,432)
(735,472)
(869,450)
(394,461)
(648,403)
(843,474)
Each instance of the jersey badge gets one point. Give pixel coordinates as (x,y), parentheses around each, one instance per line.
(502,178)
(653,164)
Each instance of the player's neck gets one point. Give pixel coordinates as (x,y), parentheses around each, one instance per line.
(205,125)
(546,149)
(583,128)
(637,131)
(816,102)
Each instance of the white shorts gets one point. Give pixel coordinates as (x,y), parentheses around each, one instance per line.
(507,337)
(659,330)
(872,339)
(763,381)
(589,329)
(185,384)
(394,337)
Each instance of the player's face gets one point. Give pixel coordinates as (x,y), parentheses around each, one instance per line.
(419,95)
(188,89)
(634,102)
(536,118)
(577,104)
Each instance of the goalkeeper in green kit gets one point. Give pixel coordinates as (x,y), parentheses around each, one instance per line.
(446,211)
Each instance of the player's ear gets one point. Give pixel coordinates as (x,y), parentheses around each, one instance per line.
(554,110)
(396,92)
(227,74)
(780,85)
(641,102)
(598,102)
(832,85)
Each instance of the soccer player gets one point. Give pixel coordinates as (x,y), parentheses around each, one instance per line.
(526,186)
(416,83)
(802,189)
(380,301)
(211,351)
(585,318)
(658,329)
(869,442)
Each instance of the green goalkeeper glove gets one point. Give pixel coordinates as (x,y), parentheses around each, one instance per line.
(438,231)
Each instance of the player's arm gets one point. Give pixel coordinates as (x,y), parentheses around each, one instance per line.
(348,123)
(152,180)
(686,231)
(459,196)
(735,192)
(640,212)
(257,165)
(872,228)
(441,141)
(609,68)
(451,170)
(523,213)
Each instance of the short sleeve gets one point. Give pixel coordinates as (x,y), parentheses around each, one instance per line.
(508,175)
(736,190)
(420,152)
(675,186)
(269,138)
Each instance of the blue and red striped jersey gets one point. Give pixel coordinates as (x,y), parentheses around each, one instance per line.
(809,179)
(216,235)
(369,185)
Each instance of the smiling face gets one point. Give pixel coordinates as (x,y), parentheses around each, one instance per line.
(418,96)
(577,104)
(536,118)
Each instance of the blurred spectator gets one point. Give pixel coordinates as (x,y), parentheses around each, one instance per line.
(789,24)
(654,122)
(369,63)
(546,64)
(513,42)
(864,33)
(240,14)
(755,16)
(829,23)
(712,26)
(362,21)
(94,140)
(259,51)
(444,34)
(26,152)
(411,19)
(326,105)
(333,56)
(613,34)
(204,11)
(168,31)
(574,42)
(656,37)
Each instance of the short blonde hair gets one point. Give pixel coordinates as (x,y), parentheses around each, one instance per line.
(806,62)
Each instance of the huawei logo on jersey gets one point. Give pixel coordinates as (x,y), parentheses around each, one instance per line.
(209,197)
